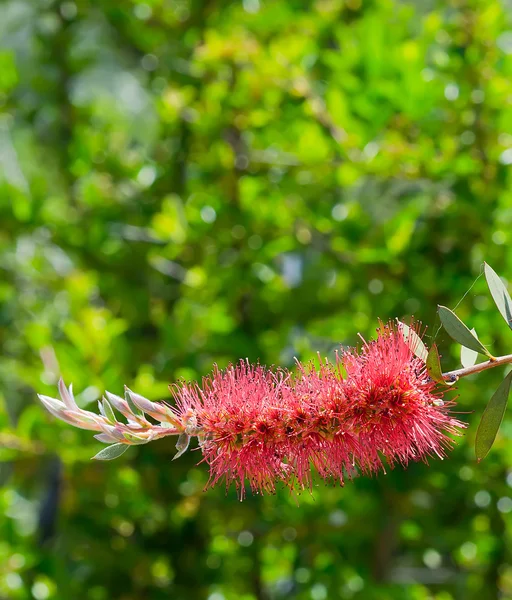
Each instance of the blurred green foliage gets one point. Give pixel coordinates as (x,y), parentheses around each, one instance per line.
(185,182)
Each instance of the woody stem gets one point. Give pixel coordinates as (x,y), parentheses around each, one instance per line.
(489,364)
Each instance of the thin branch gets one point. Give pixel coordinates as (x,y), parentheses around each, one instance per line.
(489,364)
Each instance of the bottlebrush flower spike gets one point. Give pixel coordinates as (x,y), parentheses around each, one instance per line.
(239,412)
(394,405)
(269,427)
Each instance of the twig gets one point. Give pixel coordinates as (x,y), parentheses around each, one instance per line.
(489,364)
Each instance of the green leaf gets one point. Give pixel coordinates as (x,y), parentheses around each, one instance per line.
(181,445)
(111,452)
(109,413)
(417,345)
(135,409)
(134,439)
(459,332)
(499,293)
(434,365)
(467,356)
(491,419)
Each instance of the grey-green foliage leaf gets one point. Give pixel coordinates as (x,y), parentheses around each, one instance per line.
(459,332)
(417,345)
(134,438)
(135,409)
(467,356)
(181,445)
(434,365)
(111,452)
(499,293)
(491,419)
(108,412)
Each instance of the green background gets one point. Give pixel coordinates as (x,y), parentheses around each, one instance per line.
(184,183)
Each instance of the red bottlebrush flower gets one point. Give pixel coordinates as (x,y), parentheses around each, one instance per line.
(239,413)
(268,428)
(393,403)
(317,431)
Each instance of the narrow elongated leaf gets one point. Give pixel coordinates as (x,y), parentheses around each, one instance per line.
(491,419)
(67,395)
(135,409)
(106,438)
(417,345)
(499,293)
(434,365)
(181,445)
(108,412)
(134,439)
(111,452)
(459,332)
(101,409)
(467,356)
(118,403)
(155,409)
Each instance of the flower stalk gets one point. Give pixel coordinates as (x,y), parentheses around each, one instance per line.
(137,429)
